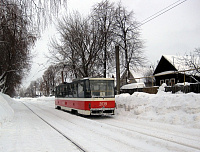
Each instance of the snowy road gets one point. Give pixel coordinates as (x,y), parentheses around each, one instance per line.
(31,130)
(172,135)
(28,133)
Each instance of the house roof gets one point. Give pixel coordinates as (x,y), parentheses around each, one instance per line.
(179,64)
(139,73)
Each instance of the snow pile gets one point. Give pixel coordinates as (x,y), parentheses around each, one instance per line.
(177,109)
(6,112)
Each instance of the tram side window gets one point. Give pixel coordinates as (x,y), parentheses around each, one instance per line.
(75,90)
(87,89)
(65,93)
(110,89)
(62,91)
(57,91)
(70,90)
(81,89)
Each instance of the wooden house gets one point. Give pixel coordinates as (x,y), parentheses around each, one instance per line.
(171,70)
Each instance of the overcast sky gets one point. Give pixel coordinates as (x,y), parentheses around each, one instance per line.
(175,32)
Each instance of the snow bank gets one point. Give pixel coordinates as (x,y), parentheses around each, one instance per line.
(6,112)
(178,109)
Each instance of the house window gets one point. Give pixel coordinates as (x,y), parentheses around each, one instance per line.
(172,81)
(161,82)
(167,81)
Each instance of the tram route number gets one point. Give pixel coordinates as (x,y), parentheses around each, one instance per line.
(103,104)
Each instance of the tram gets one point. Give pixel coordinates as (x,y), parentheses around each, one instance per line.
(87,96)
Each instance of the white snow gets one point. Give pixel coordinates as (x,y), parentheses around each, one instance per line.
(164,73)
(6,112)
(133,86)
(178,109)
(143,122)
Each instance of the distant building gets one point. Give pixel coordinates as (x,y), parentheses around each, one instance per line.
(136,76)
(171,70)
(125,80)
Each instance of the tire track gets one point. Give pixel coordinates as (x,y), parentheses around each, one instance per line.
(66,137)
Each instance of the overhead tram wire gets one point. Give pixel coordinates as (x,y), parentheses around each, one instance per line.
(40,69)
(159,13)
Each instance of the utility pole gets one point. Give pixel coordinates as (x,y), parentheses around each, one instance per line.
(62,76)
(117,69)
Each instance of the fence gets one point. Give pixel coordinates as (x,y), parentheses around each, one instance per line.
(195,87)
(151,90)
(177,88)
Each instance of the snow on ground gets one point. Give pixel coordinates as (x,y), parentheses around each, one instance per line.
(178,109)
(6,112)
(143,122)
(27,133)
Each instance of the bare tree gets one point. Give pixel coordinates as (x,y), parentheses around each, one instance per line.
(31,90)
(103,16)
(193,61)
(48,79)
(80,46)
(148,74)
(127,37)
(87,44)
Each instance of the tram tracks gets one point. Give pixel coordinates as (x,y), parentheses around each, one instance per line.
(133,132)
(186,140)
(91,129)
(57,130)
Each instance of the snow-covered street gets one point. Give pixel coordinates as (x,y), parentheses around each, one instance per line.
(38,126)
(99,76)
(27,132)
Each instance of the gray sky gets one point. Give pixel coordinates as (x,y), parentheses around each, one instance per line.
(172,33)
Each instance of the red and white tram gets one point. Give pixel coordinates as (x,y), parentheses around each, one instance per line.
(88,96)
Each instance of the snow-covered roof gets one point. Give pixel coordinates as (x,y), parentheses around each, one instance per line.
(139,73)
(164,73)
(133,86)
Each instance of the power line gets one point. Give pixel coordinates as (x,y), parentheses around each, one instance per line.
(37,71)
(159,13)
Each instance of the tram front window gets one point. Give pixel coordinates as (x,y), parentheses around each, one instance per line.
(102,88)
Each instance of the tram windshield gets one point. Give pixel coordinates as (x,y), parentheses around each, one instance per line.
(102,88)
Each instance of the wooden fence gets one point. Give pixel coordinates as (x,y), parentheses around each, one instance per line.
(176,88)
